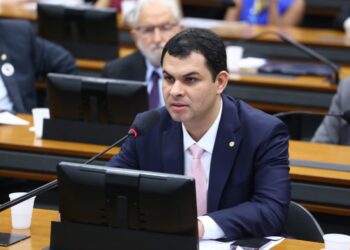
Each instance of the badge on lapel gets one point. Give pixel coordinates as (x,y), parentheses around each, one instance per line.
(7,68)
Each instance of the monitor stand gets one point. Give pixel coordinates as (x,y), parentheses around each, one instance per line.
(68,235)
(85,132)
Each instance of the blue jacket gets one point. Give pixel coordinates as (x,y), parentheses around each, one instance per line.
(249,183)
(263,16)
(32,58)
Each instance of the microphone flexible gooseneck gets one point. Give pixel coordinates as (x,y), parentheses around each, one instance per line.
(310,52)
(138,128)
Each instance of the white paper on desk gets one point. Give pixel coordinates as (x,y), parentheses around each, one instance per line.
(272,243)
(204,23)
(214,245)
(251,62)
(218,245)
(8,118)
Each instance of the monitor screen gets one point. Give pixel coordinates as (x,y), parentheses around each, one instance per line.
(87,32)
(92,99)
(130,199)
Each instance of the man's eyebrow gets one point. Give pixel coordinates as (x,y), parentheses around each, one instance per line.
(189,74)
(166,72)
(193,73)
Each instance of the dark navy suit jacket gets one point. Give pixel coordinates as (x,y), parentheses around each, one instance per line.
(132,67)
(249,184)
(32,58)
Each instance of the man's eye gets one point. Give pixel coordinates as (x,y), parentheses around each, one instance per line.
(190,80)
(168,79)
(148,30)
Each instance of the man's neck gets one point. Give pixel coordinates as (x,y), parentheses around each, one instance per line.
(198,130)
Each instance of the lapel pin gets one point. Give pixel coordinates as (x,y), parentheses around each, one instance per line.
(3,57)
(231,144)
(7,69)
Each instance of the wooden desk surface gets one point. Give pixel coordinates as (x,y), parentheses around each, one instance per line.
(41,223)
(20,138)
(325,153)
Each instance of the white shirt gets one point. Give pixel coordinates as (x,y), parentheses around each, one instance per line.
(5,102)
(207,142)
(150,69)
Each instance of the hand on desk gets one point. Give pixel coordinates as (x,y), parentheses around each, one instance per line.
(200,229)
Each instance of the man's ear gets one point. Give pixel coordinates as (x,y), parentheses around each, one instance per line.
(221,81)
(133,33)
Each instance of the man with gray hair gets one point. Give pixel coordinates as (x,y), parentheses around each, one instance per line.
(153,24)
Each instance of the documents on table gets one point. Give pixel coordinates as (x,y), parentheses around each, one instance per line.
(7,118)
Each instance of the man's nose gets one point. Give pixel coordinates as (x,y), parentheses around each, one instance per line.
(176,89)
(157,35)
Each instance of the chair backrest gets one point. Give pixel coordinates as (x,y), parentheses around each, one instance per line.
(302,225)
(87,32)
(301,126)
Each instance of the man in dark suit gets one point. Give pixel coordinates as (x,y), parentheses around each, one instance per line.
(244,161)
(24,58)
(154,23)
(332,129)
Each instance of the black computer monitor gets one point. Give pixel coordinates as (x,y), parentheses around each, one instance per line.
(87,32)
(132,200)
(90,102)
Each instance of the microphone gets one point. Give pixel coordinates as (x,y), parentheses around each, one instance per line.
(335,68)
(345,115)
(141,125)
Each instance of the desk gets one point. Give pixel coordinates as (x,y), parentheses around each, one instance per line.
(40,233)
(24,156)
(320,190)
(269,93)
(330,43)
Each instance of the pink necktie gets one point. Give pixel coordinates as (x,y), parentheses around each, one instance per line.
(197,172)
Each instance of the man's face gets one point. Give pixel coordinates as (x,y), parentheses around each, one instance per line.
(156,25)
(191,95)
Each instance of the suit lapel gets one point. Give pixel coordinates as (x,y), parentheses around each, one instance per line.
(226,147)
(172,146)
(10,82)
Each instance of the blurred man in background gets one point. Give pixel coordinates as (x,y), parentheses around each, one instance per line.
(154,23)
(335,130)
(25,58)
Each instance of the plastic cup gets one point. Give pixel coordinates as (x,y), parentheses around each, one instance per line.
(234,55)
(347,26)
(336,242)
(21,214)
(39,114)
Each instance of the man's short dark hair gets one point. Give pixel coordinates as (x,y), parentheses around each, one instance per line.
(201,41)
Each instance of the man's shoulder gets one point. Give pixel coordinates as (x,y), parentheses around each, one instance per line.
(15,25)
(250,117)
(132,59)
(133,65)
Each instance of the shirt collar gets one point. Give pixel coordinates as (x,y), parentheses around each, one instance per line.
(208,140)
(150,69)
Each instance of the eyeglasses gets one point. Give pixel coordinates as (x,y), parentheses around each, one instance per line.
(149,30)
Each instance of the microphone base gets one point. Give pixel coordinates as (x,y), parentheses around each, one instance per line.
(68,235)
(81,131)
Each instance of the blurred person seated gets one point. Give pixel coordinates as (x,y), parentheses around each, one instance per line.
(154,23)
(24,59)
(273,12)
(335,130)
